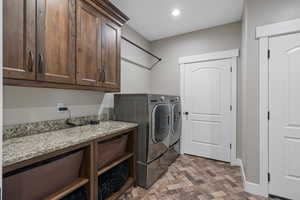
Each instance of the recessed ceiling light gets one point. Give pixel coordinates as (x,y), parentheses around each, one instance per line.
(176,12)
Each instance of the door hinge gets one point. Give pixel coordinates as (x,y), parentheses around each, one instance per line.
(230,108)
(230,146)
(268,115)
(269,53)
(230,69)
(269,177)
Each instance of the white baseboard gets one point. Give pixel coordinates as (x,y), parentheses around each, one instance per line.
(250,187)
(236,162)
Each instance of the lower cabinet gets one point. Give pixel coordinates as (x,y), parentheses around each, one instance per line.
(98,170)
(113,180)
(115,166)
(49,179)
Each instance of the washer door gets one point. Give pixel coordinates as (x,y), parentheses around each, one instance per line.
(160,123)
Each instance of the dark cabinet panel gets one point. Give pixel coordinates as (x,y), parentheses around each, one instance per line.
(111,41)
(89,70)
(56,41)
(71,44)
(19,39)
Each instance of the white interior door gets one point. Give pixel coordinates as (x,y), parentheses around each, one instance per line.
(284,125)
(207,101)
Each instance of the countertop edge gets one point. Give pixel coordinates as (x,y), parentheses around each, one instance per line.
(38,156)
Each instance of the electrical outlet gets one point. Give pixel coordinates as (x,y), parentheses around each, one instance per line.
(61,107)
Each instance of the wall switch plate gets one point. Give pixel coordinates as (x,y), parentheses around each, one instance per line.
(61,107)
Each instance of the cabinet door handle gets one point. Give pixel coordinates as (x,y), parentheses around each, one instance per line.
(40,64)
(30,62)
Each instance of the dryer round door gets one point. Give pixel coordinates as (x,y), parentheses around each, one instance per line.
(160,122)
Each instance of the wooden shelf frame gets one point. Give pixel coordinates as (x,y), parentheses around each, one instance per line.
(88,175)
(130,156)
(129,183)
(68,189)
(115,163)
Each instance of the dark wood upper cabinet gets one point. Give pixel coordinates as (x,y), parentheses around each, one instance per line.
(89,70)
(56,41)
(111,41)
(19,39)
(69,44)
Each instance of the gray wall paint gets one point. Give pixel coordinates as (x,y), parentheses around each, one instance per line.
(37,104)
(134,78)
(257,13)
(165,76)
(241,118)
(23,104)
(166,73)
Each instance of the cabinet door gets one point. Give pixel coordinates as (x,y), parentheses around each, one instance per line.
(111,40)
(19,39)
(88,45)
(56,41)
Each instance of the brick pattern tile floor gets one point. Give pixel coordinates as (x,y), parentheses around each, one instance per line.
(195,178)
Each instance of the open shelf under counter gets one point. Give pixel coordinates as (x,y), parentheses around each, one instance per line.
(115,163)
(68,189)
(73,168)
(129,183)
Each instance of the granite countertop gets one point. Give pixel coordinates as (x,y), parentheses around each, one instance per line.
(24,148)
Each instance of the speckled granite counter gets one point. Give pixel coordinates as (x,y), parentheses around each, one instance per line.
(23,148)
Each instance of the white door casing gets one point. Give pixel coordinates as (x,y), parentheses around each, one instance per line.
(264,34)
(208,92)
(284,123)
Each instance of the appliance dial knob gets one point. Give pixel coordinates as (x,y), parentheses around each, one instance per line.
(162,98)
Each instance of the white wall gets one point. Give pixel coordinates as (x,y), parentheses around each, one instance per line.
(257,13)
(165,76)
(135,78)
(25,104)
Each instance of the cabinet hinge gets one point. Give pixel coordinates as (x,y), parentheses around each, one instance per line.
(269,53)
(230,107)
(230,69)
(269,177)
(268,115)
(230,146)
